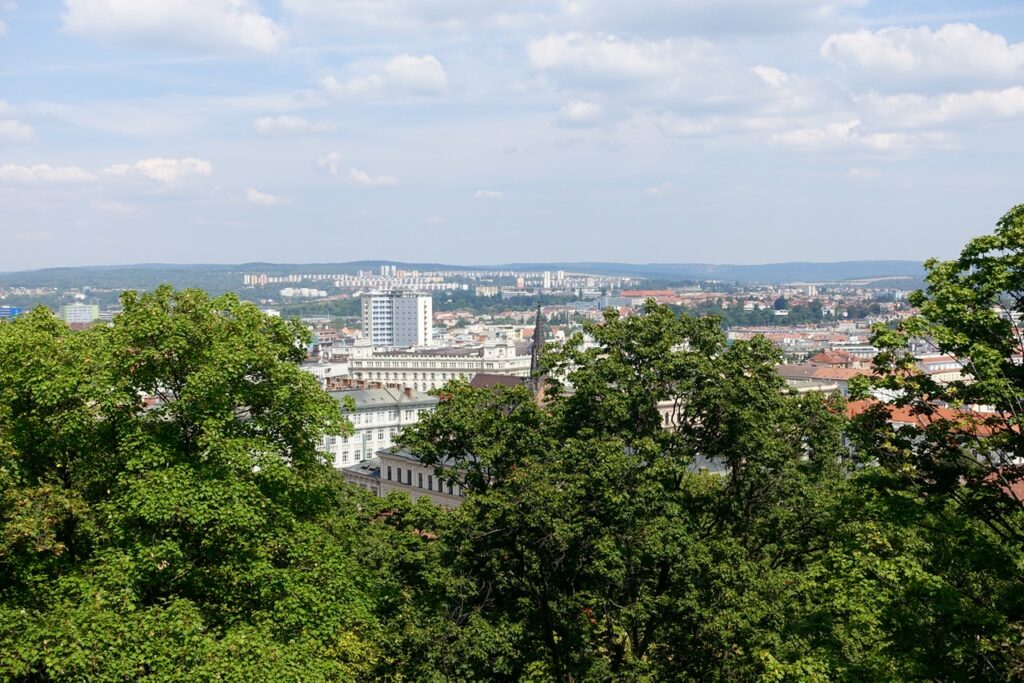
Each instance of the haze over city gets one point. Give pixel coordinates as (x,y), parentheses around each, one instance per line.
(482,132)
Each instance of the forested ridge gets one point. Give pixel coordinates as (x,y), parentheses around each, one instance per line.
(165,514)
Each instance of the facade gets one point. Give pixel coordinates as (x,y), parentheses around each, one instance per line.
(79,313)
(396,469)
(379,414)
(426,369)
(397,319)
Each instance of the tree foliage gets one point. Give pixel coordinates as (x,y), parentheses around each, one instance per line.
(595,547)
(666,509)
(198,536)
(971,310)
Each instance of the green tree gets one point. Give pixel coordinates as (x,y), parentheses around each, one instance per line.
(592,547)
(164,511)
(971,309)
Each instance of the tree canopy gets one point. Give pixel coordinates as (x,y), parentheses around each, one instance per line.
(666,509)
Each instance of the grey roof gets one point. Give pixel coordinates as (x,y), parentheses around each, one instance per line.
(385,397)
(403,453)
(367,468)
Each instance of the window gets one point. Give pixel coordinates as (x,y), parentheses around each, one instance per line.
(430,482)
(419,480)
(449,488)
(389,472)
(399,475)
(380,434)
(408,477)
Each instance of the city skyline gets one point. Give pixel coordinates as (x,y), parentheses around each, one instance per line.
(743,132)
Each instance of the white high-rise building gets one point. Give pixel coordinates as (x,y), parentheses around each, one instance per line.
(399,319)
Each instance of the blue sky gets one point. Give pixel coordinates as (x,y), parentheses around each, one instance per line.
(474,131)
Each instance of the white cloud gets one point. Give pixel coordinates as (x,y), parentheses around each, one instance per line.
(330,163)
(291,125)
(434,220)
(914,111)
(3,27)
(953,53)
(357,177)
(659,190)
(668,17)
(646,17)
(488,194)
(402,15)
(604,57)
(16,131)
(673,72)
(113,206)
(847,134)
(262,198)
(770,75)
(168,171)
(580,113)
(401,75)
(44,173)
(209,25)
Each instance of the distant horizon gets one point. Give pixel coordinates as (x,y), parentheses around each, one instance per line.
(468,266)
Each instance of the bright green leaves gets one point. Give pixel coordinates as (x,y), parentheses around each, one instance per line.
(164,511)
(972,310)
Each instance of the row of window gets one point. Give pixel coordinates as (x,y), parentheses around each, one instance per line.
(453,489)
(382,416)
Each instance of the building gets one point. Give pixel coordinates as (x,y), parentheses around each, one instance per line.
(431,368)
(396,469)
(326,371)
(79,313)
(397,319)
(8,312)
(379,414)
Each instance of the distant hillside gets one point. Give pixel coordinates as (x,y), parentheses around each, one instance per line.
(223,277)
(768,273)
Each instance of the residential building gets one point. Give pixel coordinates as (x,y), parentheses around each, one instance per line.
(397,319)
(79,313)
(379,414)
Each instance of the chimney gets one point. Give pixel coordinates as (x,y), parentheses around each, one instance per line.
(408,392)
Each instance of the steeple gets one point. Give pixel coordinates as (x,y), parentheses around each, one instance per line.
(539,337)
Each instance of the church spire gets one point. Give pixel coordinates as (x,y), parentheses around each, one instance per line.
(539,337)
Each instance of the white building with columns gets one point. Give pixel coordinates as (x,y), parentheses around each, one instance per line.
(430,368)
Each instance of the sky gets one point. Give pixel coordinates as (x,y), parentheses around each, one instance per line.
(476,132)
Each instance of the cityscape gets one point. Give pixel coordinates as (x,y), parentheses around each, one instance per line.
(576,341)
